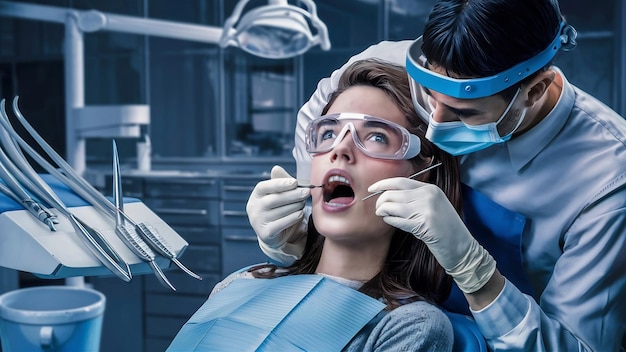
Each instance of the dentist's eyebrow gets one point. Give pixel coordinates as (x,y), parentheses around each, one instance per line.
(462,112)
(459,112)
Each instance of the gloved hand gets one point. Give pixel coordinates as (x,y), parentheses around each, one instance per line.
(424,210)
(276,211)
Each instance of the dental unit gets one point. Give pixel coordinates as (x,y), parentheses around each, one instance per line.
(60,205)
(79,185)
(117,253)
(90,237)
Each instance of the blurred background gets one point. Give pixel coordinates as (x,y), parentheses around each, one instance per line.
(220,118)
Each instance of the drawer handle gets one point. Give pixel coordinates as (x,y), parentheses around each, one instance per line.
(240,238)
(239,188)
(173,211)
(234,213)
(181,182)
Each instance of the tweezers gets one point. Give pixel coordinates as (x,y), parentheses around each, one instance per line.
(128,234)
(145,231)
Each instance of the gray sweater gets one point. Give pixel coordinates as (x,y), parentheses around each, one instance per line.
(417,326)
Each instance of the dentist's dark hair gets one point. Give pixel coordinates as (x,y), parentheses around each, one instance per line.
(480,38)
(410,272)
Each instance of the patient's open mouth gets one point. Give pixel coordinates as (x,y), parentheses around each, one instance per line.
(337,191)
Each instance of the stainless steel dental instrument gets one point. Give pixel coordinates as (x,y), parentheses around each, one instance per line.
(412,176)
(309,186)
(95,242)
(161,246)
(14,191)
(16,181)
(78,184)
(128,234)
(41,212)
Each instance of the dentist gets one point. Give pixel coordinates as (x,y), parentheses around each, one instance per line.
(540,256)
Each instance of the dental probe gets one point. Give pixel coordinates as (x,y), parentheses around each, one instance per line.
(309,186)
(412,176)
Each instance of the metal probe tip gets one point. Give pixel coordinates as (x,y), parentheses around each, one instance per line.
(50,224)
(309,186)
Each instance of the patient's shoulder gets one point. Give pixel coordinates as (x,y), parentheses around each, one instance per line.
(241,274)
(417,326)
(424,315)
(228,279)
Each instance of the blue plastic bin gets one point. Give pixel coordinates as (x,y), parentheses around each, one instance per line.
(51,318)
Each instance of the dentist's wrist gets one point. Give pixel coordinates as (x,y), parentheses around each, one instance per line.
(474,270)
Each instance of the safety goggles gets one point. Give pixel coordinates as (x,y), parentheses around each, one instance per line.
(416,66)
(375,137)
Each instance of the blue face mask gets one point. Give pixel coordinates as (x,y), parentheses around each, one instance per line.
(458,138)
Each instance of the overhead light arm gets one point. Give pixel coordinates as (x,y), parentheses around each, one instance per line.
(93,20)
(273,15)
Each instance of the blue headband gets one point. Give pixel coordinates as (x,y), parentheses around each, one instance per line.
(485,86)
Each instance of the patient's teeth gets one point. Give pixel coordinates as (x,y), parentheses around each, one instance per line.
(337,178)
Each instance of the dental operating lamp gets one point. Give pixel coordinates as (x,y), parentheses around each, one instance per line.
(277,30)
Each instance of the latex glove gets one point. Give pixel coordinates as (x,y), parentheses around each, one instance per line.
(276,211)
(424,210)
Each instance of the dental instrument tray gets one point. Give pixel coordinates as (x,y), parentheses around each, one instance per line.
(86,234)
(29,245)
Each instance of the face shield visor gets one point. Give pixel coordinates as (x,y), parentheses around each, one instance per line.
(473,88)
(375,137)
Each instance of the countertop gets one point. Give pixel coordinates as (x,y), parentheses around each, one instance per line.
(97,177)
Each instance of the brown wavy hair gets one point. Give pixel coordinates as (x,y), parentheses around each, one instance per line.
(410,272)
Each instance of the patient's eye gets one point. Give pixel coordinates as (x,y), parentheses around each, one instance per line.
(378,137)
(327,134)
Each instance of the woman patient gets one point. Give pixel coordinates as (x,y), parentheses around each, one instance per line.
(369,131)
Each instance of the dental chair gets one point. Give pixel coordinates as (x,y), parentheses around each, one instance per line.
(467,337)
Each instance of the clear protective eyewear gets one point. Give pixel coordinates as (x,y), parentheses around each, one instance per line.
(472,88)
(374,136)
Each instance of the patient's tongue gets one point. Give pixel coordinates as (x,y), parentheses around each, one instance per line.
(342,194)
(342,200)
